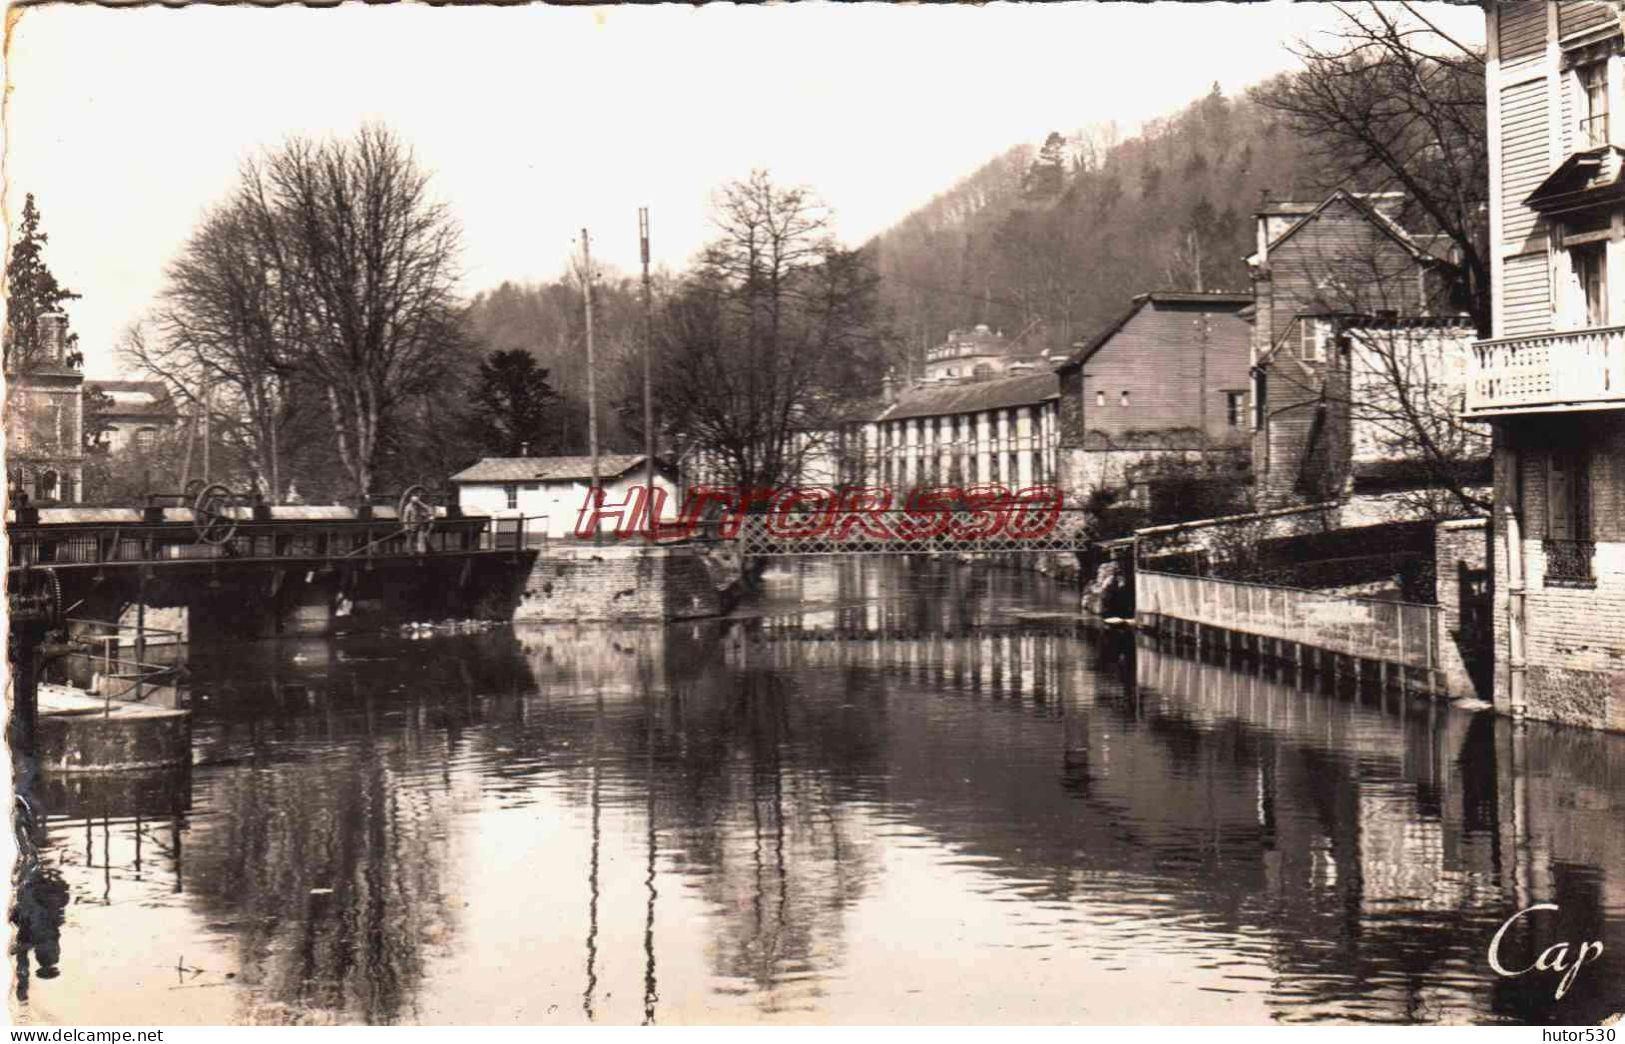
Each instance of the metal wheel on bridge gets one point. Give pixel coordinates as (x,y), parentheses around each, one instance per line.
(36,598)
(214,514)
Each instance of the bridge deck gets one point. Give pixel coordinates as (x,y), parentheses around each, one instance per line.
(92,538)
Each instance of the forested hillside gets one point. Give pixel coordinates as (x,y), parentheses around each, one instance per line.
(1055,239)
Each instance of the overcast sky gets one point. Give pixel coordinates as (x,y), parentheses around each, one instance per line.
(536,121)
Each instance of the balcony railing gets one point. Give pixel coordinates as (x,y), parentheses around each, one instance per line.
(1574,369)
(1594,131)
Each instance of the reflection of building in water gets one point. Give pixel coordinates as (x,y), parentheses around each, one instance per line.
(1389,808)
(1018,663)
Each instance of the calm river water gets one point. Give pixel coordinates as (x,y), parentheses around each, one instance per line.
(891,792)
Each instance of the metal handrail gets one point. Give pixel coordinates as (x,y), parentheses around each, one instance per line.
(103,543)
(1370,628)
(1282,587)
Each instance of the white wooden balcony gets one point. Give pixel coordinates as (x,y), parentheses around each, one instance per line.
(1550,372)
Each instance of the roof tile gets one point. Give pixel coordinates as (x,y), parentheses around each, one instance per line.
(974,396)
(547,469)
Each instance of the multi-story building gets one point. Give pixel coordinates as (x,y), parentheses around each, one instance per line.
(1550,382)
(982,353)
(140,413)
(1165,385)
(1358,358)
(1001,431)
(44,448)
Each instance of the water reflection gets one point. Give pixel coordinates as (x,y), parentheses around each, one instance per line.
(893,792)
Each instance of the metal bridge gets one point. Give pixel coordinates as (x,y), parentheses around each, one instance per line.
(891,532)
(214,530)
(217,528)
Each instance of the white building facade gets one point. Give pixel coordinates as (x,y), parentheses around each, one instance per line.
(552,491)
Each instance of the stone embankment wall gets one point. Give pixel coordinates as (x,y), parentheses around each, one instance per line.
(618,582)
(1454,573)
(150,739)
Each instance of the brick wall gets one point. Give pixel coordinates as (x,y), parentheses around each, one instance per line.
(612,582)
(1574,637)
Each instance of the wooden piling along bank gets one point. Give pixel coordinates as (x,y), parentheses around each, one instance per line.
(1389,642)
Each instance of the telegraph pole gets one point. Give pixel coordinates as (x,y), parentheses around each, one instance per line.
(592,378)
(648,363)
(207,389)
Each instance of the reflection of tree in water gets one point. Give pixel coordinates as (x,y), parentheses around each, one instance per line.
(329,870)
(759,782)
(744,783)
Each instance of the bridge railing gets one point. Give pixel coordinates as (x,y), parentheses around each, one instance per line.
(1002,529)
(92,544)
(96,664)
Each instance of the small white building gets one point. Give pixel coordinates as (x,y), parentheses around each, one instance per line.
(554,489)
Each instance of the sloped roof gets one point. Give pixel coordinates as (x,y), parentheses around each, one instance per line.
(1584,179)
(973,397)
(548,469)
(154,388)
(1384,223)
(1239,301)
(136,398)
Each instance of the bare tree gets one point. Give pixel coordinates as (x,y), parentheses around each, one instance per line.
(1391,356)
(1394,104)
(769,337)
(363,262)
(219,337)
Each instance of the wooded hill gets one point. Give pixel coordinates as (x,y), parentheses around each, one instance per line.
(1055,240)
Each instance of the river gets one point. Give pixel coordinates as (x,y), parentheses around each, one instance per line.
(886,791)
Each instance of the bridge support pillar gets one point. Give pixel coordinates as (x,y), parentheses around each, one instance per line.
(304,604)
(617,582)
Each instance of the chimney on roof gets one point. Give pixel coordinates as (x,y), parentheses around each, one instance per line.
(524,449)
(888,386)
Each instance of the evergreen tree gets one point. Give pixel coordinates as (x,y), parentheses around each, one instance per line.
(1046,176)
(93,424)
(31,292)
(511,405)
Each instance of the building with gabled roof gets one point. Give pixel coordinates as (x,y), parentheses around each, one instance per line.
(553,490)
(1341,293)
(1163,385)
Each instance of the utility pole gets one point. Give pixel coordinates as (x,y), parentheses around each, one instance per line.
(648,379)
(207,389)
(592,379)
(1202,334)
